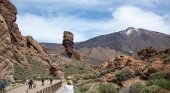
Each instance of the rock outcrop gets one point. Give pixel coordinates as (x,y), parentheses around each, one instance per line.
(15,48)
(69,45)
(146,53)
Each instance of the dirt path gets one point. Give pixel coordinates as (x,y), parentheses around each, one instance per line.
(24,88)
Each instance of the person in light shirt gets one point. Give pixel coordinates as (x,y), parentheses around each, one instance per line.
(69,87)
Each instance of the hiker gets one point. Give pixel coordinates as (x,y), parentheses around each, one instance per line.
(51,80)
(30,83)
(69,87)
(3,85)
(42,82)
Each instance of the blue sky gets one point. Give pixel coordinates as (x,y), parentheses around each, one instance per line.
(46,20)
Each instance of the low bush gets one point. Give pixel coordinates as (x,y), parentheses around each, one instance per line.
(158,75)
(124,74)
(84,88)
(136,88)
(160,82)
(150,89)
(165,58)
(107,88)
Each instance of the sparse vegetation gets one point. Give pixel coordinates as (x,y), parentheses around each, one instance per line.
(159,79)
(91,77)
(158,75)
(150,89)
(160,82)
(84,88)
(36,71)
(124,74)
(107,88)
(165,58)
(136,88)
(74,68)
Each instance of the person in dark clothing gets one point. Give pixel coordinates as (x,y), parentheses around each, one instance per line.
(42,82)
(3,85)
(30,83)
(51,80)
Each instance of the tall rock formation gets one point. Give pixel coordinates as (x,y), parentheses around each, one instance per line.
(16,49)
(69,45)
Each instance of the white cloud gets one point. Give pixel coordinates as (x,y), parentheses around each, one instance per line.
(50,29)
(136,17)
(46,29)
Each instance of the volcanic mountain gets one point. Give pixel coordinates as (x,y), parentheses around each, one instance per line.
(130,40)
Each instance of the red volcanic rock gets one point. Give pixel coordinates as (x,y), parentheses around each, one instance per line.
(146,53)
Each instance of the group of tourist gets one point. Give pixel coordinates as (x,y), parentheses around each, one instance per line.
(68,87)
(33,85)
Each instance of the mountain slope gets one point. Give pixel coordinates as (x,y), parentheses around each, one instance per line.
(130,40)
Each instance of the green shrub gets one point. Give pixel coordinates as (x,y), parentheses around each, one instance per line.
(124,74)
(136,88)
(150,89)
(165,58)
(89,76)
(76,91)
(107,88)
(160,82)
(158,75)
(35,71)
(74,68)
(84,88)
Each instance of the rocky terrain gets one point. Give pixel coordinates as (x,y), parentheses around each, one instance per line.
(130,74)
(19,54)
(129,61)
(102,48)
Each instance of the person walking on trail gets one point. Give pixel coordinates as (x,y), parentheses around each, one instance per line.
(51,80)
(69,87)
(42,82)
(30,83)
(3,85)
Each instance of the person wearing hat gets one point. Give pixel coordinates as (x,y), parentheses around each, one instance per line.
(69,87)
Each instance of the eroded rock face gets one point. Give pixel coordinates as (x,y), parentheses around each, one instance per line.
(56,71)
(7,12)
(69,45)
(15,48)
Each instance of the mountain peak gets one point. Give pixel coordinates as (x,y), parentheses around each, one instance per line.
(130,30)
